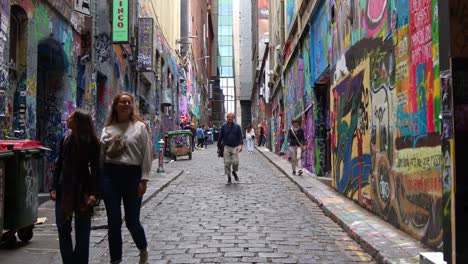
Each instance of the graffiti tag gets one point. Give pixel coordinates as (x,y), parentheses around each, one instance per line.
(31,185)
(103,47)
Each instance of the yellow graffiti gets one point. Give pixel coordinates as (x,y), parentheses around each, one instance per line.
(31,85)
(418,160)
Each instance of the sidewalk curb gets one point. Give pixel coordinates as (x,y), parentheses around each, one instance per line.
(364,227)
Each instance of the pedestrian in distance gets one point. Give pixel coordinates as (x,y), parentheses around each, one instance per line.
(261,136)
(194,136)
(75,187)
(125,173)
(296,146)
(250,137)
(211,134)
(215,133)
(230,137)
(206,140)
(200,136)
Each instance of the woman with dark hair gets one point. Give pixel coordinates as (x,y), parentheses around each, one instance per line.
(75,186)
(125,173)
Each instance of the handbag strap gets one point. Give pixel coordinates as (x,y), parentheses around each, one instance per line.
(298,141)
(121,134)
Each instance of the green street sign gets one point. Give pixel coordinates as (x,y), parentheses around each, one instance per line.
(120,21)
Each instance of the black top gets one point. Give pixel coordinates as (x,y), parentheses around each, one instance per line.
(292,139)
(76,173)
(231,135)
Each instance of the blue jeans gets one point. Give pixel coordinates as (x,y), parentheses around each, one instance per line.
(120,182)
(250,144)
(79,254)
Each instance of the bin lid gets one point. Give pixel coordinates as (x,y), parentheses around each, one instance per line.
(3,148)
(21,144)
(179,132)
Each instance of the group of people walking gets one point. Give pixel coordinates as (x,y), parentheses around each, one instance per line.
(115,167)
(231,140)
(201,136)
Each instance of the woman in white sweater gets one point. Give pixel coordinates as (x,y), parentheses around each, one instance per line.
(250,137)
(125,173)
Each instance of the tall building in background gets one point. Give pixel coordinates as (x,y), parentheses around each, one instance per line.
(244,28)
(226,56)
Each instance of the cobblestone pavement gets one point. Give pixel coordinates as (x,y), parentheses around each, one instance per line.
(264,218)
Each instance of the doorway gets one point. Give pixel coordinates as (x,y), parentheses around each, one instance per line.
(460,106)
(51,65)
(322,130)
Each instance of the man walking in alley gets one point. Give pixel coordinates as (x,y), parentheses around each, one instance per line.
(230,137)
(296,144)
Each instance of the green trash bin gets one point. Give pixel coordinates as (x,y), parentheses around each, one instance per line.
(5,153)
(179,143)
(21,189)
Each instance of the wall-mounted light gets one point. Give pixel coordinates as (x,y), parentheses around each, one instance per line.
(179,41)
(203,58)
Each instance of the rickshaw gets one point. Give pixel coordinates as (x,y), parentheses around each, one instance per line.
(179,143)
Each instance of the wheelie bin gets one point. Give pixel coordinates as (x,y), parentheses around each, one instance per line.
(5,153)
(21,189)
(179,143)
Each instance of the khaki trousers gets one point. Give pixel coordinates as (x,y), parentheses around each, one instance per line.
(231,158)
(296,157)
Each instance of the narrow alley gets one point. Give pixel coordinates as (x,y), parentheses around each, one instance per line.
(262,218)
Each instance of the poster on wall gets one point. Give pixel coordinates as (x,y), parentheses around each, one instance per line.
(83,7)
(120,21)
(145,44)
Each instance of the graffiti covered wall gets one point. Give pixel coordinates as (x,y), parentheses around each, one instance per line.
(385,103)
(294,92)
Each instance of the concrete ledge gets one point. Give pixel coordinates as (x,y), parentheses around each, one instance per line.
(383,241)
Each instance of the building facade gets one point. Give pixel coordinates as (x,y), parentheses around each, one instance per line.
(365,79)
(59,55)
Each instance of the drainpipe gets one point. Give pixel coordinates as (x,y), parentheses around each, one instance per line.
(93,92)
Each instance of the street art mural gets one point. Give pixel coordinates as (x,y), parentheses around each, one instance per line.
(4,21)
(53,75)
(290,13)
(294,90)
(376,18)
(319,33)
(351,160)
(308,116)
(309,134)
(346,27)
(385,107)
(277,124)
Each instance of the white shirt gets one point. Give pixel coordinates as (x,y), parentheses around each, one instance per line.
(139,145)
(249,134)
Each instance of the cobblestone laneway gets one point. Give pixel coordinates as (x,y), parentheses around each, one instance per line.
(264,218)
